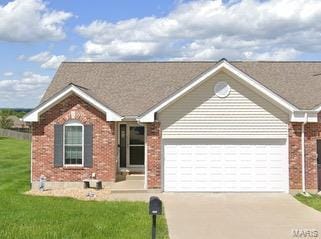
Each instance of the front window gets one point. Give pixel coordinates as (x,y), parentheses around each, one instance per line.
(73,144)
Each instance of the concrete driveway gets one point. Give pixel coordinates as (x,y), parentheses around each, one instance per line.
(209,215)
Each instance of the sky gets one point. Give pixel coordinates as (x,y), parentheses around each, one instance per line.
(36,35)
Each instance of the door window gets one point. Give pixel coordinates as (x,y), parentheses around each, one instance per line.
(136,145)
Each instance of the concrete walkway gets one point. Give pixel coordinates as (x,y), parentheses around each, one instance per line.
(233,215)
(223,216)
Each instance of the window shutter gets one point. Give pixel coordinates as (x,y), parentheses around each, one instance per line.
(58,141)
(88,146)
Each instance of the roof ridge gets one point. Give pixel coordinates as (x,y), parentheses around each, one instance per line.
(92,62)
(210,61)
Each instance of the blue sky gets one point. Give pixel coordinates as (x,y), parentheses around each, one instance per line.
(36,36)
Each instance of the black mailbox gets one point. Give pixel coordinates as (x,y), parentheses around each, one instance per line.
(155,206)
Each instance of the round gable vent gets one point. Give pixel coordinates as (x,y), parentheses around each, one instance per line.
(222,89)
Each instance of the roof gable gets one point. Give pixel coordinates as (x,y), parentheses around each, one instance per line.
(235,73)
(127,88)
(33,116)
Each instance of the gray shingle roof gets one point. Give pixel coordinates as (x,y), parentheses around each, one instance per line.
(130,88)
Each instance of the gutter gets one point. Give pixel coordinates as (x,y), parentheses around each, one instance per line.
(303,152)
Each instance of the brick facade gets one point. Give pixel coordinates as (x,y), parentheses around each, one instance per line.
(104,143)
(154,165)
(295,165)
(312,134)
(105,148)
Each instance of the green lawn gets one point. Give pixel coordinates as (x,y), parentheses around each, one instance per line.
(23,216)
(314,201)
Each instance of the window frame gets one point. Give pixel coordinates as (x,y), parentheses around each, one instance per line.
(129,145)
(318,155)
(68,124)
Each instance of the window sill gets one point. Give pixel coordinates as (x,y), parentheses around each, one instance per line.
(71,167)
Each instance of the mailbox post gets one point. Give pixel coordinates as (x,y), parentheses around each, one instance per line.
(155,208)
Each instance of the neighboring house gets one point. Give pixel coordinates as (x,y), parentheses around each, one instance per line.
(187,126)
(18,123)
(14,122)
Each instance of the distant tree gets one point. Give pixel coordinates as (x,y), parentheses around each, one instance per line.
(19,114)
(5,121)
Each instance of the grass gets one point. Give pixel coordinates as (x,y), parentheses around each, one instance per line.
(23,216)
(314,201)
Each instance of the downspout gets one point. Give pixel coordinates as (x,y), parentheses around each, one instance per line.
(31,129)
(303,152)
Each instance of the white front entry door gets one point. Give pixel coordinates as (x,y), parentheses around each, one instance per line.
(229,165)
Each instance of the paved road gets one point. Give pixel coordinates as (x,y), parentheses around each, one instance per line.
(209,215)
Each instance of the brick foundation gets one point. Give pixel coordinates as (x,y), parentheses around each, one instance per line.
(104,143)
(154,165)
(312,134)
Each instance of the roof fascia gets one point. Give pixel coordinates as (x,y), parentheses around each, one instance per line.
(33,116)
(317,108)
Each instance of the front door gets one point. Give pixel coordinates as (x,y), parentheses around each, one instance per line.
(136,146)
(122,146)
(131,146)
(319,163)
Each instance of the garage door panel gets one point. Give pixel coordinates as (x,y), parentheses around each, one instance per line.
(236,165)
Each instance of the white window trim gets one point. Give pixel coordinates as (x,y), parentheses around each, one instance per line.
(74,123)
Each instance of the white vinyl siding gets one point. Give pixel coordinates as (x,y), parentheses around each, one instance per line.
(242,114)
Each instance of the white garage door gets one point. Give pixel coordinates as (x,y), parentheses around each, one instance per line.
(226,165)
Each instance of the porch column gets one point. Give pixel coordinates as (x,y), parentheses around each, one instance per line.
(154,164)
(312,134)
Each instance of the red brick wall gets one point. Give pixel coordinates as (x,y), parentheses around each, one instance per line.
(154,165)
(312,133)
(104,142)
(295,156)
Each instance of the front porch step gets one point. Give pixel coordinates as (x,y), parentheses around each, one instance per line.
(128,190)
(135,177)
(127,185)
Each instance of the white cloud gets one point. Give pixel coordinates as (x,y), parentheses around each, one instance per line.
(123,48)
(208,30)
(72,48)
(31,20)
(21,57)
(25,91)
(47,60)
(9,73)
(40,57)
(53,62)
(29,81)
